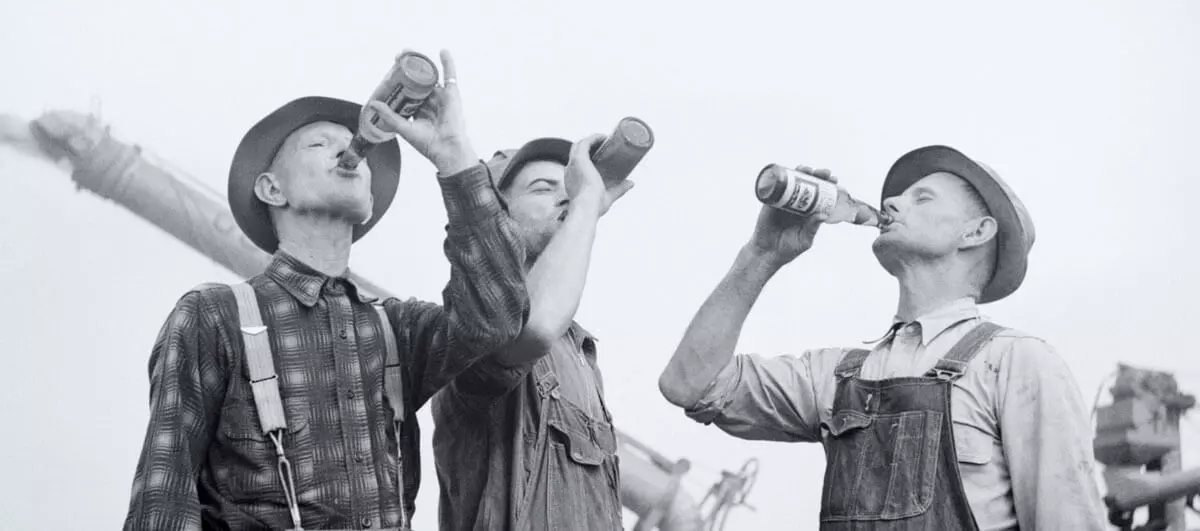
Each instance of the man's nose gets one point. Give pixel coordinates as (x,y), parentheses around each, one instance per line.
(891,205)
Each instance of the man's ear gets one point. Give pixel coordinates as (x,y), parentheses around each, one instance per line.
(980,232)
(267,189)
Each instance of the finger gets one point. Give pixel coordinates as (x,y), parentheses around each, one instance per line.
(392,120)
(825,174)
(427,110)
(374,134)
(620,189)
(582,150)
(449,69)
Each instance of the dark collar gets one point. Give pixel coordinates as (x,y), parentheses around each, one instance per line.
(582,339)
(305,283)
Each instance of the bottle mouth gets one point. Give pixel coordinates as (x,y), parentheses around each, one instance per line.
(636,132)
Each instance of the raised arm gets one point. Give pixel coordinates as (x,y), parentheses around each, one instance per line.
(187,382)
(555,280)
(485,304)
(707,345)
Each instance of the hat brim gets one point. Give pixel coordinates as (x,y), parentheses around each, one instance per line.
(1012,259)
(547,149)
(258,148)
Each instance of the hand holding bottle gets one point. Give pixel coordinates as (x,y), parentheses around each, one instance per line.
(438,128)
(781,236)
(584,183)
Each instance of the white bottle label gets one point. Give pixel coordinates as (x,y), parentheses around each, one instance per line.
(806,195)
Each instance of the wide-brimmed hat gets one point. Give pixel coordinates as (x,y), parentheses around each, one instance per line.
(258,148)
(1015,234)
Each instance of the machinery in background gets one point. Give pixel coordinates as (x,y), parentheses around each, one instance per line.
(198,216)
(1137,441)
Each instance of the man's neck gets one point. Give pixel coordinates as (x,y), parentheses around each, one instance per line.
(927,287)
(322,244)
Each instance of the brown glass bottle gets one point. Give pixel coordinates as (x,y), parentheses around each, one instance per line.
(405,88)
(616,157)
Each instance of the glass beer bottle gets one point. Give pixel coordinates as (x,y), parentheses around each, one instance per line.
(405,88)
(616,157)
(803,194)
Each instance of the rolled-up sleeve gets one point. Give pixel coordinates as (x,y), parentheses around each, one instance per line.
(1046,430)
(769,399)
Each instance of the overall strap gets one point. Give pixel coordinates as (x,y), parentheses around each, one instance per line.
(393,376)
(393,390)
(545,378)
(954,363)
(851,363)
(265,385)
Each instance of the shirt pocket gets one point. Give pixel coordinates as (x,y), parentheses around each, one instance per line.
(251,465)
(973,447)
(581,473)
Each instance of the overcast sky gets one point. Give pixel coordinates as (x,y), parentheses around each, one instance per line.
(1083,107)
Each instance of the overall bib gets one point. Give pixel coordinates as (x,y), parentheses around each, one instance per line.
(891,463)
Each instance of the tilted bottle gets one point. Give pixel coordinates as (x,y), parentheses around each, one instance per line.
(405,88)
(799,192)
(616,157)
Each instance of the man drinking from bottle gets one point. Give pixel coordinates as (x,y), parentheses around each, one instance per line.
(950,421)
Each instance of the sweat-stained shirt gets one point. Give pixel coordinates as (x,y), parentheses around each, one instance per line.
(1021,428)
(205,458)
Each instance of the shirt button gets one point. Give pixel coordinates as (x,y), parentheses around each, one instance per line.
(342,334)
(350,394)
(366,521)
(358,458)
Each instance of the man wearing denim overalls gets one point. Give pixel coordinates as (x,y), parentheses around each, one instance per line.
(950,421)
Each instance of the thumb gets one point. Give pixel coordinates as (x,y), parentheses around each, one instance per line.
(393,121)
(620,189)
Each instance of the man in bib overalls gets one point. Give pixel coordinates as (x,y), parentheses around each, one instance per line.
(290,401)
(951,421)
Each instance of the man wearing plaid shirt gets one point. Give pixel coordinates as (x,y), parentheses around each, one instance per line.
(206,461)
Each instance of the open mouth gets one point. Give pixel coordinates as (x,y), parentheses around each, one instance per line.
(347,174)
(563,217)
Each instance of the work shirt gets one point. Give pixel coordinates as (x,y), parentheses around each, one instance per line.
(1021,429)
(528,448)
(205,456)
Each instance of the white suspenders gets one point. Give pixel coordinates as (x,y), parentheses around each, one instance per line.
(265,385)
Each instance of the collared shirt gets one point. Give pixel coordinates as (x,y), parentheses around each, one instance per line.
(205,457)
(1021,428)
(528,448)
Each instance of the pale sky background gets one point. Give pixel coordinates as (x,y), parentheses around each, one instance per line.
(1083,107)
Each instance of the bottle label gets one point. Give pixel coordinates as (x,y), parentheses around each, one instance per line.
(806,195)
(407,107)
